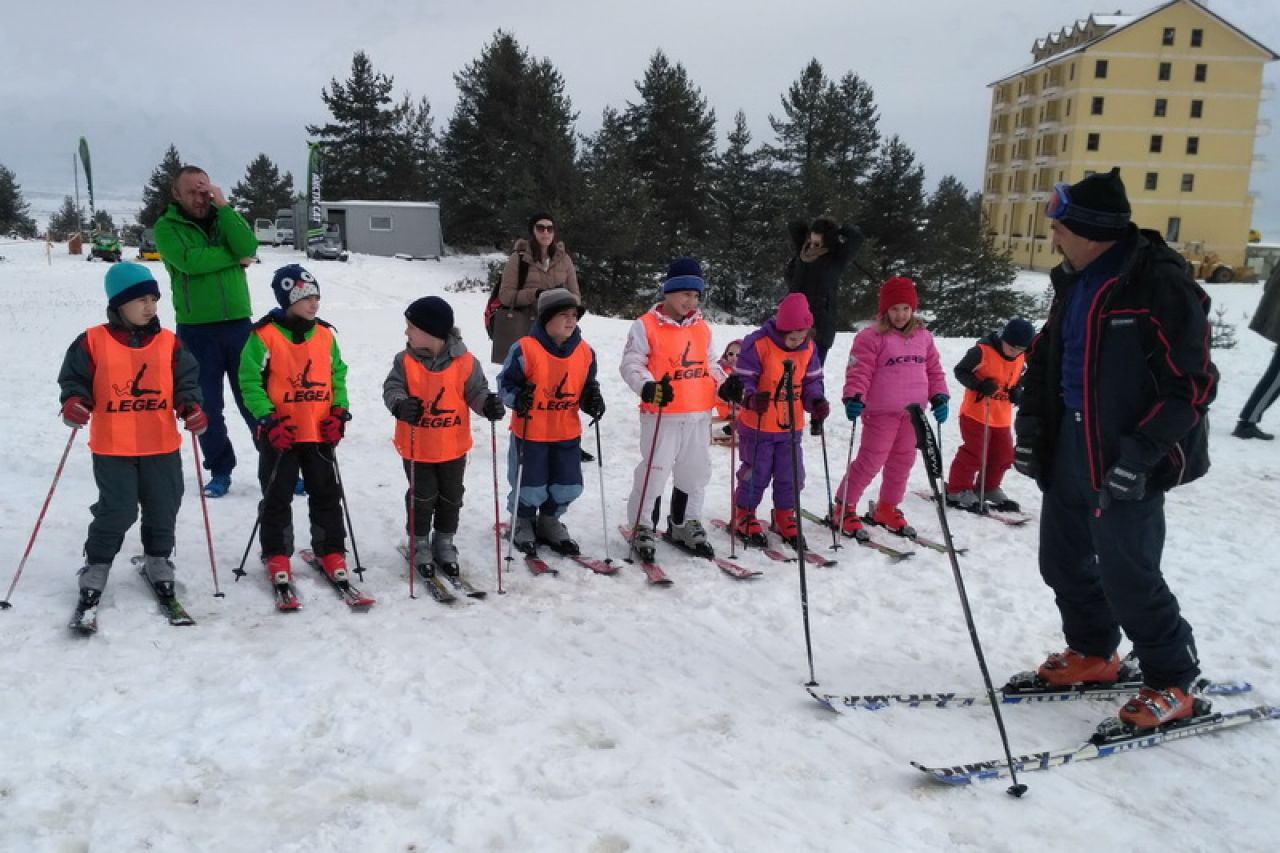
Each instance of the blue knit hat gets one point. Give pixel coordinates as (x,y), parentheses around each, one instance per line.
(1018,333)
(292,283)
(127,281)
(684,274)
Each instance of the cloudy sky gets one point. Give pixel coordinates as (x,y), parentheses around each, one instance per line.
(226,81)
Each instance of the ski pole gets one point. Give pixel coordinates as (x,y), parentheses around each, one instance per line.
(788,377)
(604,521)
(413,504)
(644,486)
(515,497)
(204,508)
(826,470)
(5,605)
(239,571)
(346,511)
(848,462)
(928,445)
(497,514)
(733,474)
(982,470)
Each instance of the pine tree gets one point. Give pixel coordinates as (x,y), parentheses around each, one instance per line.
(509,147)
(103,223)
(969,280)
(15,212)
(262,191)
(827,141)
(362,146)
(614,223)
(893,206)
(66,220)
(158,192)
(744,249)
(417,173)
(672,152)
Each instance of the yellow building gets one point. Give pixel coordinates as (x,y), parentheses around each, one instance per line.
(1170,96)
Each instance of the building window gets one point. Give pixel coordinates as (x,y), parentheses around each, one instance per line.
(1188,183)
(1174,228)
(1193,145)
(1068,106)
(1166,71)
(1202,72)
(1096,107)
(1157,144)
(380,223)
(1162,107)
(1197,38)
(1093,142)
(1100,69)
(1167,38)
(1153,178)
(1197,109)
(1071,74)
(1064,146)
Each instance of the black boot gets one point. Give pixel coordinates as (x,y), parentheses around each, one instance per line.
(1244,429)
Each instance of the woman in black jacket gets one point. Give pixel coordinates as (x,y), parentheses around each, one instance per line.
(822,252)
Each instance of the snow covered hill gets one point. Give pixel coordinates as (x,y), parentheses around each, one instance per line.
(578,712)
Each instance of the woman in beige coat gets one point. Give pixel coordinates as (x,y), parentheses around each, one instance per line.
(537,263)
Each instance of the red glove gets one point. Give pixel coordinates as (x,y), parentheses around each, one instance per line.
(820,409)
(759,402)
(76,411)
(277,432)
(194,418)
(334,426)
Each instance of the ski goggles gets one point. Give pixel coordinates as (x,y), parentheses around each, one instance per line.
(1059,206)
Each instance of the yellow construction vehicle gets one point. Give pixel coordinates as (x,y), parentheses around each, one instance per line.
(1208,266)
(1255,236)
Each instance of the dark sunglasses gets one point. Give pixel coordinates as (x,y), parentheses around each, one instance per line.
(1059,206)
(544,228)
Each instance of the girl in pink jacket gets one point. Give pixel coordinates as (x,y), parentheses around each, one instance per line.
(892,363)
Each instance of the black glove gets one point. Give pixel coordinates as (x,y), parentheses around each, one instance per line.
(493,408)
(1125,482)
(408,410)
(658,393)
(593,401)
(987,388)
(731,389)
(1015,394)
(524,400)
(1025,460)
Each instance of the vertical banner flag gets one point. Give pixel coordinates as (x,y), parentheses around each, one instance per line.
(88,173)
(315,216)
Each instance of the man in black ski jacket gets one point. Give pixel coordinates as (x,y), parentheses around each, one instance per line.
(822,252)
(1114,413)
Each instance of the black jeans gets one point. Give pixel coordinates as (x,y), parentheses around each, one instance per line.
(324,499)
(124,484)
(439,487)
(1104,568)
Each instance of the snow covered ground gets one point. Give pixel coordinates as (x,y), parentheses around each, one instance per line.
(580,712)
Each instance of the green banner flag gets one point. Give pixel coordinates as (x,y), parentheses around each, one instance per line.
(315,214)
(88,172)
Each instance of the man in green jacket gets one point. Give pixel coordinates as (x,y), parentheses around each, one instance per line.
(206,246)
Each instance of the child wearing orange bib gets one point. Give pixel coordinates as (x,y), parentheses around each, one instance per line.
(294,383)
(126,379)
(434,385)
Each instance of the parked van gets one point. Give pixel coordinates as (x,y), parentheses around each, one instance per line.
(265,231)
(284,227)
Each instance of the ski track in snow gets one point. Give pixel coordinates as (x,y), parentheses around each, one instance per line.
(580,712)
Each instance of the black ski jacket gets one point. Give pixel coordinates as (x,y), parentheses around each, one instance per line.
(1148,373)
(819,279)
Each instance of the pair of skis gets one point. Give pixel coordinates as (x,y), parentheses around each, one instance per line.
(86,621)
(439,583)
(811,557)
(1011,519)
(889,551)
(286,594)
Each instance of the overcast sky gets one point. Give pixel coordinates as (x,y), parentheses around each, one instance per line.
(226,81)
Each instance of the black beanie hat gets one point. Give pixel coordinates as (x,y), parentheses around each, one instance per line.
(538,217)
(432,315)
(1098,207)
(828,229)
(1018,333)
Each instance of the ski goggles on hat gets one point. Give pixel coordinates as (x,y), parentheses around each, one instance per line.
(1059,206)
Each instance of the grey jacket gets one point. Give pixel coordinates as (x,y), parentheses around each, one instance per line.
(395,388)
(1266,320)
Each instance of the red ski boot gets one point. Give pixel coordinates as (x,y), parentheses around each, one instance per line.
(1152,708)
(278,569)
(748,528)
(845,517)
(784,524)
(1071,667)
(335,566)
(891,518)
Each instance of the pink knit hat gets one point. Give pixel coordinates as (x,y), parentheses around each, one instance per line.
(898,291)
(793,314)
